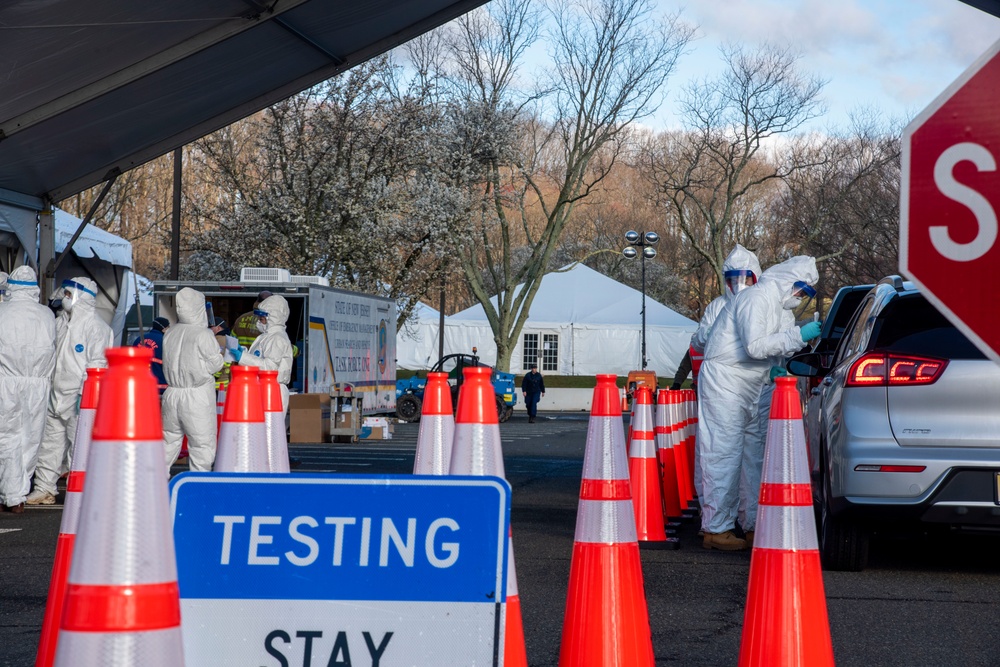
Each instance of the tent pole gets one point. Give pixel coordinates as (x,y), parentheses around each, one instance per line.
(175,219)
(441,320)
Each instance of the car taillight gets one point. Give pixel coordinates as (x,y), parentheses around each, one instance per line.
(881,369)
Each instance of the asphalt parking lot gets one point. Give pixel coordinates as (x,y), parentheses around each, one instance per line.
(922,601)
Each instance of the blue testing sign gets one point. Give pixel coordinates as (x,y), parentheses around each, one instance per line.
(305,569)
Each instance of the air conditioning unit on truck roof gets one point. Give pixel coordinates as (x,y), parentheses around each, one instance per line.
(254,274)
(312,280)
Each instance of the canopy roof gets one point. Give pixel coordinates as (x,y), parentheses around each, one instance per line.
(98,87)
(582,296)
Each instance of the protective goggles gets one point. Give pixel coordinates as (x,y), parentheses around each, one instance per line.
(260,313)
(69,284)
(737,279)
(806,289)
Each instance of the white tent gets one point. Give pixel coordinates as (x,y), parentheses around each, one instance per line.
(97,254)
(581,323)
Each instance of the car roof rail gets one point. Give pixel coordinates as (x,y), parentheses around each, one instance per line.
(896,281)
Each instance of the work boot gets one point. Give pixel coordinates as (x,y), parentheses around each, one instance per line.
(749,539)
(531,420)
(39,497)
(16,509)
(726,541)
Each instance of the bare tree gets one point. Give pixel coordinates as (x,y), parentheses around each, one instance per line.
(716,177)
(844,209)
(540,153)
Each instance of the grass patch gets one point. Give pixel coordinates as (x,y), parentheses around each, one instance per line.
(557,381)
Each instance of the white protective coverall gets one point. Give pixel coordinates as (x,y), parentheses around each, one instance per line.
(272,350)
(81,338)
(746,338)
(27,358)
(191,358)
(739,259)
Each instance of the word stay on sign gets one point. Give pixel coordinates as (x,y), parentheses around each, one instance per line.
(305,569)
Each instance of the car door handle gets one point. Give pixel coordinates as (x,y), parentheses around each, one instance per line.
(827,381)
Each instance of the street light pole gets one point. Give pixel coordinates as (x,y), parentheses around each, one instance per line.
(646,241)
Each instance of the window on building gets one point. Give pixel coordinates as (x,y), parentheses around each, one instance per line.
(550,352)
(529,351)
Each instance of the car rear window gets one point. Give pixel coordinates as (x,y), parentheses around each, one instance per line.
(911,325)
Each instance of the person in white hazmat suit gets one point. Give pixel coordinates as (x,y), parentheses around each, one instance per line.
(27,358)
(81,338)
(272,349)
(752,466)
(746,337)
(740,271)
(191,358)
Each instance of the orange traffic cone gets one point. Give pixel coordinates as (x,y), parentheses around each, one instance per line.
(437,428)
(122,604)
(477,451)
(665,455)
(220,406)
(243,437)
(70,518)
(689,416)
(606,622)
(644,475)
(274,421)
(684,487)
(786,621)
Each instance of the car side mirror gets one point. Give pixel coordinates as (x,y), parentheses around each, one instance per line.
(807,365)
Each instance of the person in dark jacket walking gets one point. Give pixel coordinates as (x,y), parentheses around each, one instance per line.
(533,387)
(153,339)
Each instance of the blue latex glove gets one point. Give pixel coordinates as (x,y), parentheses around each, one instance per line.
(237,353)
(777,372)
(810,331)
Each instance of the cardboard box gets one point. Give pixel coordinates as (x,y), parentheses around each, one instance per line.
(376,428)
(309,416)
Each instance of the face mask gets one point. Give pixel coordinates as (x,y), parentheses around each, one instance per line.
(67,304)
(791,302)
(261,327)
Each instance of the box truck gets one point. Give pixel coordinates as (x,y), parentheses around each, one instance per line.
(344,339)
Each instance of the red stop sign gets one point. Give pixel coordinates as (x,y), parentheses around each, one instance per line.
(949,199)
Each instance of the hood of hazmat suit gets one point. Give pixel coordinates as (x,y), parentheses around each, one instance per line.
(81,339)
(272,350)
(741,262)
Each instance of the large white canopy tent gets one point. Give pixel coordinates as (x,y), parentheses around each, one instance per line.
(581,322)
(93,89)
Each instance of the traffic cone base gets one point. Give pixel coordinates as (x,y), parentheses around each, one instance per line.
(592,640)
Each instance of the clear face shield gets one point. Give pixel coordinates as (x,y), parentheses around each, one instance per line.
(739,279)
(261,319)
(800,292)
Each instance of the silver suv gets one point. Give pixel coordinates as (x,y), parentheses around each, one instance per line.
(908,425)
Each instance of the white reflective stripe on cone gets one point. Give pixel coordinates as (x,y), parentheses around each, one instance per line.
(643,418)
(789,528)
(511,570)
(434,441)
(477,450)
(676,435)
(81,440)
(277,445)
(220,402)
(71,513)
(642,448)
(662,416)
(605,522)
(785,458)
(151,648)
(604,456)
(242,448)
(146,554)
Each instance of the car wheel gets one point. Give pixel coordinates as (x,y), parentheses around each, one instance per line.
(843,544)
(503,412)
(408,408)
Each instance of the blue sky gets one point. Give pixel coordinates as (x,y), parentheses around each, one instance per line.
(896,55)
